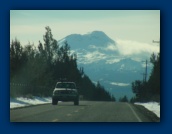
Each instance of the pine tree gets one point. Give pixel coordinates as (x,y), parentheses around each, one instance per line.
(124,99)
(154,80)
(150,90)
(17,58)
(50,45)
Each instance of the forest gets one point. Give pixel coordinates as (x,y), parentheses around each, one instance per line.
(34,71)
(148,90)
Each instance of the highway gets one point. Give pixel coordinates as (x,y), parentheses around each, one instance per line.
(87,111)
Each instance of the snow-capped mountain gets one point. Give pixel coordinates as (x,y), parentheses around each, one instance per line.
(92,47)
(102,61)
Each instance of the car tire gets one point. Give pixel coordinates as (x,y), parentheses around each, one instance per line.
(54,102)
(76,102)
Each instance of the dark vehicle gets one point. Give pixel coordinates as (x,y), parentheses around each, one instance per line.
(65,91)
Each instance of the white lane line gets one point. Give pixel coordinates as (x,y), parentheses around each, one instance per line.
(134,113)
(55,120)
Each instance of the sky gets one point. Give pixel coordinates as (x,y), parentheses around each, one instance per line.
(124,26)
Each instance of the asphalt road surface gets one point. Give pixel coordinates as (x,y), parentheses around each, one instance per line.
(87,111)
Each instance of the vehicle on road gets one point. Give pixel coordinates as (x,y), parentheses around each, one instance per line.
(65,91)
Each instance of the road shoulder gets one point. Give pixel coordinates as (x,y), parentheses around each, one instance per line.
(149,114)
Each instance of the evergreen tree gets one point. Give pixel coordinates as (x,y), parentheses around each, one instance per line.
(154,80)
(50,45)
(124,99)
(150,90)
(16,57)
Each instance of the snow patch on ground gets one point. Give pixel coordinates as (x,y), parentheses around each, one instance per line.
(152,106)
(22,102)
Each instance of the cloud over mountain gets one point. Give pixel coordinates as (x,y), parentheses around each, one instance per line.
(134,48)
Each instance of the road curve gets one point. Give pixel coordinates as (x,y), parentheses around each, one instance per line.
(87,111)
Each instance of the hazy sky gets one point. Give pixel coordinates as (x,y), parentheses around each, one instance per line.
(138,26)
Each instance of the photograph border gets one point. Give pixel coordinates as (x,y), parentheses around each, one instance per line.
(165,118)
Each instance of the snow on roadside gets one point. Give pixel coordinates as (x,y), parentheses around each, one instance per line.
(22,102)
(152,106)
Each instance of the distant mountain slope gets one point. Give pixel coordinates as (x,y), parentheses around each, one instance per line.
(100,57)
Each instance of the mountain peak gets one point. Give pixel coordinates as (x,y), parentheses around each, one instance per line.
(97,33)
(85,41)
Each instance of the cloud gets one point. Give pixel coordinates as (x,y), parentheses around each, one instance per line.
(113,60)
(119,84)
(111,47)
(129,48)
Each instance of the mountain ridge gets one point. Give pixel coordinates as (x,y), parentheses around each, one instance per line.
(100,57)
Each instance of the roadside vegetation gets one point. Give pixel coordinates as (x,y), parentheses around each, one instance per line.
(148,90)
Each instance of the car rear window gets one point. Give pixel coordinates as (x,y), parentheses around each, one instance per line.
(66,85)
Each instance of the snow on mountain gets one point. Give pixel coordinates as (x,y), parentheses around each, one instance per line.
(102,61)
(91,47)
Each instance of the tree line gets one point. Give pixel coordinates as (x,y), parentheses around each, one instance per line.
(39,68)
(149,90)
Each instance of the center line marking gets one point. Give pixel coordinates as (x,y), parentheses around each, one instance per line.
(69,114)
(55,120)
(134,113)
(76,111)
